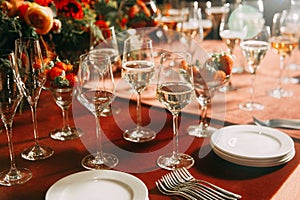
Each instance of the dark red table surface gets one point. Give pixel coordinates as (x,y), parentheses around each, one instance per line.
(136,159)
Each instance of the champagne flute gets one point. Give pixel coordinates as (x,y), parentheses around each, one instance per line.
(31,77)
(174,91)
(254,50)
(208,78)
(10,97)
(105,41)
(138,70)
(232,37)
(283,45)
(95,91)
(63,98)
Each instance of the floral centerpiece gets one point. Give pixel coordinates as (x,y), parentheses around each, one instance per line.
(64,26)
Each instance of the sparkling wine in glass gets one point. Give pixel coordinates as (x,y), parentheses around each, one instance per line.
(105,40)
(10,97)
(138,70)
(175,91)
(95,91)
(208,78)
(254,50)
(31,76)
(63,98)
(283,44)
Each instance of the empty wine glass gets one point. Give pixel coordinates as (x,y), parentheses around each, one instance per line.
(208,78)
(63,98)
(254,50)
(283,44)
(31,78)
(138,70)
(95,91)
(174,91)
(10,97)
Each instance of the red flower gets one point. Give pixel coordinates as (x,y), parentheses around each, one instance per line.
(101,24)
(70,8)
(43,2)
(55,72)
(72,78)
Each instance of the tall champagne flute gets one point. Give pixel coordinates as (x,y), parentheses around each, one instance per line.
(31,78)
(95,91)
(232,37)
(283,44)
(105,40)
(138,70)
(254,50)
(10,97)
(174,91)
(208,78)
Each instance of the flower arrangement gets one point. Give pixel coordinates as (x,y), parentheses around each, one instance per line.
(64,26)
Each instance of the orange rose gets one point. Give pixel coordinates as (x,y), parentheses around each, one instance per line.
(40,17)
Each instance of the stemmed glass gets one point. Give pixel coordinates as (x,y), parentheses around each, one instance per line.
(174,91)
(208,78)
(232,37)
(31,78)
(283,44)
(63,98)
(254,50)
(10,97)
(95,91)
(138,70)
(105,41)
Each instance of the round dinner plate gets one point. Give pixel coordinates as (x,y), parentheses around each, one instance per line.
(98,184)
(252,142)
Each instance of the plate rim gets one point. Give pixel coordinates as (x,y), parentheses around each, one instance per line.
(140,193)
(270,131)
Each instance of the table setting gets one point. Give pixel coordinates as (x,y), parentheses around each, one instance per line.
(151,123)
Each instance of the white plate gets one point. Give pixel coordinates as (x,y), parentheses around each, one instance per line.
(252,142)
(98,184)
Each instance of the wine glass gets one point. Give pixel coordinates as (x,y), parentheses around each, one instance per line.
(231,36)
(283,44)
(138,70)
(174,91)
(215,13)
(95,90)
(105,41)
(31,77)
(63,98)
(208,78)
(254,50)
(10,97)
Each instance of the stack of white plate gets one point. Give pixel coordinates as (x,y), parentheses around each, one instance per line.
(252,145)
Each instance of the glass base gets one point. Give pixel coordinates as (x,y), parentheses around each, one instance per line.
(292,80)
(227,88)
(280,93)
(249,106)
(198,131)
(60,134)
(16,177)
(91,162)
(172,162)
(238,69)
(139,135)
(37,152)
(110,111)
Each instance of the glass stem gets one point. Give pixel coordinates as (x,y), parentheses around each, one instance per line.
(281,67)
(253,75)
(99,152)
(65,116)
(13,168)
(34,121)
(175,134)
(138,111)
(203,121)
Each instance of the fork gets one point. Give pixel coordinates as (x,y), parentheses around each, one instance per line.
(184,174)
(279,123)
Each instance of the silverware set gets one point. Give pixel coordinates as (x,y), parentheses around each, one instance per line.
(279,123)
(180,182)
